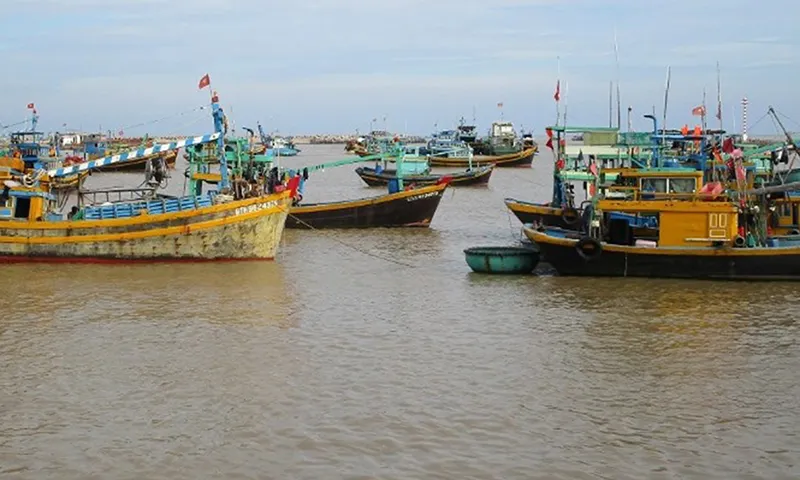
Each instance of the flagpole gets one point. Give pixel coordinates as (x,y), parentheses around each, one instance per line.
(558,87)
(666,102)
(719,98)
(616,57)
(703,113)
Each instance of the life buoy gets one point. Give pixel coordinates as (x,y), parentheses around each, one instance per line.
(570,216)
(738,241)
(588,248)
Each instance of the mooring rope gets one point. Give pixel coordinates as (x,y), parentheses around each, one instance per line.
(360,250)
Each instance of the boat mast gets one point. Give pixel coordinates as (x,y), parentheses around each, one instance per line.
(719,98)
(666,102)
(219,127)
(619,101)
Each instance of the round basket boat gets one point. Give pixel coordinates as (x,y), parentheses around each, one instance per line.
(502,259)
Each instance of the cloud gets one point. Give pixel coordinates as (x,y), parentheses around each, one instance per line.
(331,65)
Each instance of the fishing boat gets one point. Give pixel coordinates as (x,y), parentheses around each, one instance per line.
(467,133)
(420,173)
(403,205)
(94,146)
(25,156)
(649,162)
(378,177)
(375,142)
(699,237)
(502,139)
(446,144)
(275,145)
(522,158)
(144,226)
(406,208)
(280,146)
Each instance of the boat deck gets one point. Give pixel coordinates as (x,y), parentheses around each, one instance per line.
(152,207)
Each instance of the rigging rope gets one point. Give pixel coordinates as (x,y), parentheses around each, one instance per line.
(151,122)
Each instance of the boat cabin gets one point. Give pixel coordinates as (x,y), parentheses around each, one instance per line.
(27,146)
(21,203)
(651,184)
(502,129)
(467,133)
(94,145)
(694,223)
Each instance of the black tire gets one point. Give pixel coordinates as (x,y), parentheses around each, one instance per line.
(570,216)
(588,248)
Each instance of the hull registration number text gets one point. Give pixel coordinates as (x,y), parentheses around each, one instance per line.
(255,207)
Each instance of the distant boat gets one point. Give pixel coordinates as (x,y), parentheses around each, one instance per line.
(279,146)
(467,133)
(416,170)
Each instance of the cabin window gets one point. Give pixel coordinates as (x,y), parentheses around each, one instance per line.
(786,210)
(654,185)
(23,208)
(682,185)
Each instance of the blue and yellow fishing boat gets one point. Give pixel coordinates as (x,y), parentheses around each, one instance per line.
(222,224)
(703,237)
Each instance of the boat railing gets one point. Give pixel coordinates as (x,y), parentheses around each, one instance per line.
(110,195)
(632,194)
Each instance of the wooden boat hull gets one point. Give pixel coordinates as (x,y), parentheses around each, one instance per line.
(539,214)
(248,229)
(478,176)
(69,182)
(140,165)
(544,215)
(410,208)
(519,159)
(655,262)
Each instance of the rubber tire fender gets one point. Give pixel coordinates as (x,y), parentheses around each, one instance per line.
(570,216)
(588,248)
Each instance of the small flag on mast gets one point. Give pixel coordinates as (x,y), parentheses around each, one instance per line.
(557,95)
(204,82)
(30,106)
(699,111)
(500,105)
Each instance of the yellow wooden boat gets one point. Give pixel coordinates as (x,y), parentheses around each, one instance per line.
(698,237)
(104,227)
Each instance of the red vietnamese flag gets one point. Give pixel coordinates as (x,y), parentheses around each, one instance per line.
(204,82)
(728,145)
(549,143)
(699,111)
(30,105)
(557,95)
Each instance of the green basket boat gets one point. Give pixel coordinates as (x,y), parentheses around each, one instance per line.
(502,259)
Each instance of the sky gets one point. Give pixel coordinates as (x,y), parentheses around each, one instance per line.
(332,66)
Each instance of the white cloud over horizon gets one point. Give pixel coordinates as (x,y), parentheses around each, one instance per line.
(332,66)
